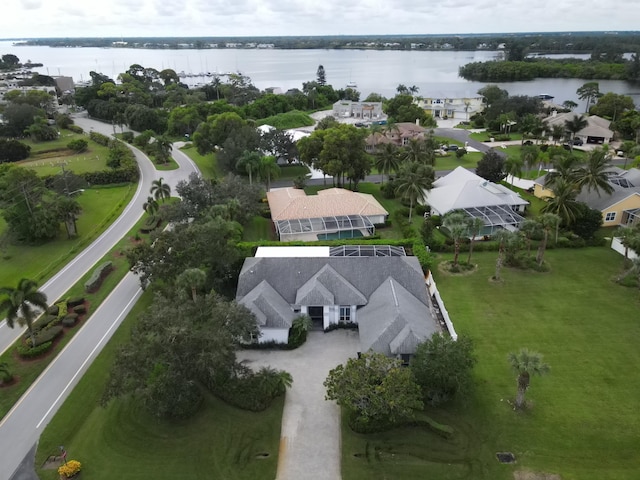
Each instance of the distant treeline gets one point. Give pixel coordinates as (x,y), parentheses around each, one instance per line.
(510,71)
(560,42)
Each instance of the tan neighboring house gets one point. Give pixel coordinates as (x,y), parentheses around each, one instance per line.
(398,134)
(332,213)
(451,105)
(622,207)
(596,131)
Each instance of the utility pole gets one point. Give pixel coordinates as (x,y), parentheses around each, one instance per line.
(64,178)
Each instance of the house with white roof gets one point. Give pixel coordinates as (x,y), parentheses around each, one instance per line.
(596,131)
(332,213)
(383,292)
(498,206)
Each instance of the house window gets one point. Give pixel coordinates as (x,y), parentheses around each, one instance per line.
(345,314)
(610,217)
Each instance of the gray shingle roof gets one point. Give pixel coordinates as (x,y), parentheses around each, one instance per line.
(270,309)
(394,321)
(329,288)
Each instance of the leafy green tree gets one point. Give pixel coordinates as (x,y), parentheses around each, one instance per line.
(569,105)
(41,131)
(612,105)
(78,145)
(456,224)
(321,76)
(491,167)
(162,148)
(529,229)
(443,366)
(587,221)
(192,343)
(327,123)
(22,304)
(374,389)
(590,92)
(491,94)
(526,364)
(412,182)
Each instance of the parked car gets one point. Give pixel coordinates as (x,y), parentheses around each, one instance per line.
(453,148)
(527,142)
(578,142)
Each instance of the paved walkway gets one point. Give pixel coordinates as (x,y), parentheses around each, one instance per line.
(310,440)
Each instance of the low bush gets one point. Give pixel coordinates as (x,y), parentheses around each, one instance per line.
(78,145)
(27,351)
(99,274)
(100,139)
(79,309)
(341,326)
(45,335)
(69,469)
(70,320)
(369,425)
(53,310)
(75,301)
(75,129)
(127,137)
(43,322)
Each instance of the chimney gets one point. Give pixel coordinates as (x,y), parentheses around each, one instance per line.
(554,113)
(418,122)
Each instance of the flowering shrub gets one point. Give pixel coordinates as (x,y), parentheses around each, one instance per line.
(69,469)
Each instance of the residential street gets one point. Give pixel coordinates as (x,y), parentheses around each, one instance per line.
(22,426)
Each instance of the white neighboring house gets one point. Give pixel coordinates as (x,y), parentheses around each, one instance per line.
(363,110)
(498,206)
(386,296)
(451,105)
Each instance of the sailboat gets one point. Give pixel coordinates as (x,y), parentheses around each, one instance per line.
(351,83)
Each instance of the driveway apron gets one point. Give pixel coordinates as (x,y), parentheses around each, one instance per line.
(310,440)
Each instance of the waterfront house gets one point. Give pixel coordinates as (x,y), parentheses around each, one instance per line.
(399,134)
(596,131)
(451,105)
(362,110)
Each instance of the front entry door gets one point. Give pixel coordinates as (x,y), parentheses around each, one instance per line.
(317,317)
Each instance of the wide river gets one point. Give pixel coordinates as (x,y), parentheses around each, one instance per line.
(435,73)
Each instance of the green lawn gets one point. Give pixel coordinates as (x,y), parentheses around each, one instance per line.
(259,228)
(27,372)
(47,158)
(289,172)
(206,163)
(123,441)
(100,206)
(583,424)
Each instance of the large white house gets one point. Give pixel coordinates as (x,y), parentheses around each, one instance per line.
(451,105)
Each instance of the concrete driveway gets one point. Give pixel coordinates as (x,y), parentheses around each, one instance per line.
(310,440)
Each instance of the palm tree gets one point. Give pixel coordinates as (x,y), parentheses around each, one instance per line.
(513,167)
(163,148)
(548,222)
(192,279)
(502,237)
(413,89)
(563,203)
(161,191)
(151,206)
(249,162)
(525,364)
(557,132)
(22,303)
(413,181)
(417,151)
(387,160)
(563,168)
(456,224)
(594,174)
(274,382)
(589,92)
(268,169)
(474,226)
(68,210)
(573,126)
(528,230)
(5,373)
(529,155)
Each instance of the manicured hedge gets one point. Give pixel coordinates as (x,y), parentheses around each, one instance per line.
(75,129)
(100,139)
(45,335)
(79,309)
(26,351)
(98,275)
(70,320)
(74,302)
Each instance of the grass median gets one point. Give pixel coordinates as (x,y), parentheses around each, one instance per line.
(27,371)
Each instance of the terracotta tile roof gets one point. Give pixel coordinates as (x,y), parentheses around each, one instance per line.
(291,203)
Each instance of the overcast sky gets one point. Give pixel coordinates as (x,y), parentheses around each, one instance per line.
(170,18)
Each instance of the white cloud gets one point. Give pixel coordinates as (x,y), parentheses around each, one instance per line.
(37,18)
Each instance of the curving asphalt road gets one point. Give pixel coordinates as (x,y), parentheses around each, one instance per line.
(22,426)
